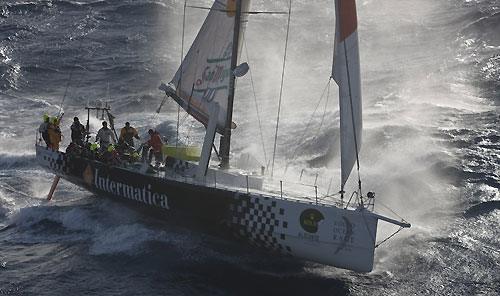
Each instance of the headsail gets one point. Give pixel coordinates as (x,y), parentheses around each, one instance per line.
(346,73)
(204,75)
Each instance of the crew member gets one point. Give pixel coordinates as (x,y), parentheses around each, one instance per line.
(105,136)
(112,155)
(94,148)
(122,147)
(54,133)
(77,132)
(128,134)
(85,151)
(153,146)
(72,149)
(44,130)
(134,157)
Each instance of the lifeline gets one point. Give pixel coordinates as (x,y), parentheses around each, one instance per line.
(143,195)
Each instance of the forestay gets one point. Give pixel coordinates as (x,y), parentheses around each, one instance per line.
(346,73)
(204,76)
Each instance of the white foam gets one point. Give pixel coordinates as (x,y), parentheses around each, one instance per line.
(121,239)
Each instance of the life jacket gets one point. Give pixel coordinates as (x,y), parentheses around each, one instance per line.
(128,134)
(55,136)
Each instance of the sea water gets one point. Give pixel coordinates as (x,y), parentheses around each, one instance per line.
(430,84)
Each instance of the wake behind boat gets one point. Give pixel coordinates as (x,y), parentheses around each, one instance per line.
(225,201)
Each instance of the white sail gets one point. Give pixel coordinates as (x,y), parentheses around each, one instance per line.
(346,73)
(203,77)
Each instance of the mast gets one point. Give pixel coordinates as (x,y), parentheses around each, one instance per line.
(226,138)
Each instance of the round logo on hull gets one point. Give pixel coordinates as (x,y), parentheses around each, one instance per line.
(309,220)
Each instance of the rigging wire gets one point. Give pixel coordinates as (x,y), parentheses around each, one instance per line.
(180,76)
(149,125)
(394,213)
(281,88)
(324,111)
(255,100)
(188,135)
(387,208)
(69,81)
(390,236)
(73,95)
(294,155)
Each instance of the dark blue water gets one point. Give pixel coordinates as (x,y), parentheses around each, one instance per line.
(431,87)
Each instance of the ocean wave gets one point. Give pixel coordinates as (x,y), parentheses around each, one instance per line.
(141,9)
(9,77)
(483,208)
(25,8)
(10,70)
(123,239)
(40,70)
(16,161)
(491,74)
(3,212)
(31,216)
(110,228)
(484,28)
(16,31)
(32,8)
(480,42)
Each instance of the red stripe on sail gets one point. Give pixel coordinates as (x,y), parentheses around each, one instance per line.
(348,20)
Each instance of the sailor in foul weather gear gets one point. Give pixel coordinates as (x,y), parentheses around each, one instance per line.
(128,134)
(85,150)
(54,133)
(94,149)
(105,136)
(111,155)
(77,131)
(44,130)
(134,157)
(153,146)
(73,149)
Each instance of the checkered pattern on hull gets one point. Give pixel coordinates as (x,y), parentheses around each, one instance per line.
(255,218)
(57,161)
(177,164)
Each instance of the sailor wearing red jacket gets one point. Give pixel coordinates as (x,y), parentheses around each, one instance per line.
(154,145)
(155,140)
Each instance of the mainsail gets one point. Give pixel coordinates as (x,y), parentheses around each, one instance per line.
(346,73)
(204,76)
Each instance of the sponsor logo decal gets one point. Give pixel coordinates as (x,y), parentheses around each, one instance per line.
(144,195)
(343,232)
(308,237)
(310,219)
(215,75)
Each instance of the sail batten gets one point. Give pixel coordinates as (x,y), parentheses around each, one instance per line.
(204,75)
(346,73)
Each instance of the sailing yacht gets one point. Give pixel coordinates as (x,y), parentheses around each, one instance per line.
(226,202)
